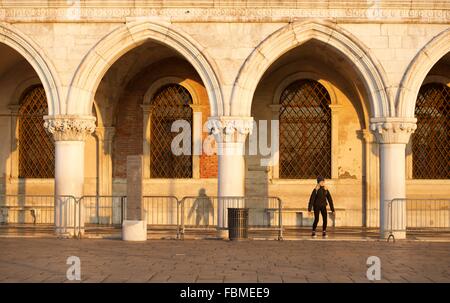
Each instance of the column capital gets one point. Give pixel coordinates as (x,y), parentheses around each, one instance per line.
(335,107)
(197,107)
(390,130)
(147,107)
(366,135)
(105,133)
(275,107)
(69,127)
(14,108)
(233,129)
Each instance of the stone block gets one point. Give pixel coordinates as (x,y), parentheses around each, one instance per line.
(134,230)
(134,187)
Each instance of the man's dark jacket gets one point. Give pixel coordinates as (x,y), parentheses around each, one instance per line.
(319,197)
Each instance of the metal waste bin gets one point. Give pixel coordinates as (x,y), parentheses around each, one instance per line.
(237,223)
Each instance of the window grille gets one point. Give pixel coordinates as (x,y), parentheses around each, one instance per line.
(305,131)
(36,148)
(170,103)
(431,139)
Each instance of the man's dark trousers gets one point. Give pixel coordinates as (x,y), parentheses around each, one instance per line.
(317,212)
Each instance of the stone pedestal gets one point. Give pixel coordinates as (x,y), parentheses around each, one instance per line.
(134,228)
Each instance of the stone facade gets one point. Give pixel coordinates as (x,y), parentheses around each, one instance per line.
(234,57)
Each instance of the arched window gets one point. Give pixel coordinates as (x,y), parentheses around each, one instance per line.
(305,131)
(170,103)
(36,148)
(431,140)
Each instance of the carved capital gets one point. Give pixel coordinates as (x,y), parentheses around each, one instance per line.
(105,133)
(14,109)
(69,127)
(275,108)
(147,108)
(366,135)
(393,130)
(198,107)
(230,129)
(335,108)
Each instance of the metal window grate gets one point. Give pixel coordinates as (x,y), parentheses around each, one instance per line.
(431,140)
(170,103)
(305,131)
(36,149)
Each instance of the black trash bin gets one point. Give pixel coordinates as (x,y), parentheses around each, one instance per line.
(238,223)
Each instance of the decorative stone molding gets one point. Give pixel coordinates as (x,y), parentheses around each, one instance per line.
(217,10)
(393,130)
(69,128)
(230,129)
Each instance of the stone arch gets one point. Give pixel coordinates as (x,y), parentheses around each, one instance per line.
(437,79)
(127,37)
(304,75)
(36,57)
(22,87)
(417,71)
(296,34)
(155,86)
(96,112)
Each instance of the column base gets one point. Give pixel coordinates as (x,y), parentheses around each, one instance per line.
(134,230)
(68,232)
(398,235)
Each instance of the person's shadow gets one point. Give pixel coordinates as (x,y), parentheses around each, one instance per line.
(203,208)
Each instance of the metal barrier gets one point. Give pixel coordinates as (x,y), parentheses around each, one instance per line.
(162,213)
(418,216)
(101,212)
(210,213)
(39,210)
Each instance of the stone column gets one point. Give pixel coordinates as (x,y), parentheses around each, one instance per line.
(197,132)
(147,123)
(275,110)
(69,133)
(105,137)
(392,135)
(335,109)
(230,134)
(134,228)
(14,155)
(368,180)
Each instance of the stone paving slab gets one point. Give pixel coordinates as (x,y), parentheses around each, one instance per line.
(44,260)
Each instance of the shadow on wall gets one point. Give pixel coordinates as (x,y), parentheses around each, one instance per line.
(11,186)
(202,208)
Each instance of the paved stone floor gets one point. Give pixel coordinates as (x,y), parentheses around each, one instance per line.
(44,260)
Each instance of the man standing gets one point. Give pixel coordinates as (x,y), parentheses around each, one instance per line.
(318,202)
